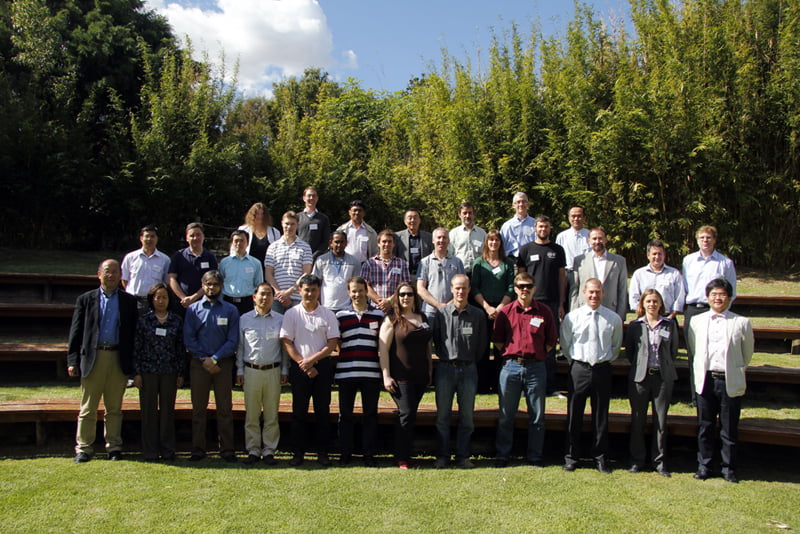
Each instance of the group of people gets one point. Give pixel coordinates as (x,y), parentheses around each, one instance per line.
(367,310)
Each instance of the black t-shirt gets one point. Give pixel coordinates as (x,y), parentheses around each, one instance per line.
(543,263)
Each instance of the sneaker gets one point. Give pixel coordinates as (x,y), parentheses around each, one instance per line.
(465,464)
(115,456)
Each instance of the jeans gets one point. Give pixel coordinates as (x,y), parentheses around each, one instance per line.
(529,377)
(461,381)
(407,397)
(370,394)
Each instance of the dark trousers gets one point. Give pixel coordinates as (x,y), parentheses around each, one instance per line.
(489,368)
(202,382)
(303,390)
(242,304)
(157,403)
(641,394)
(370,393)
(594,383)
(688,312)
(714,402)
(550,362)
(407,397)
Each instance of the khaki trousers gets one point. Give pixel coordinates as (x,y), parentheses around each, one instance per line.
(105,381)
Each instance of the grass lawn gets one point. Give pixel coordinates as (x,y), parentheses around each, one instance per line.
(55,495)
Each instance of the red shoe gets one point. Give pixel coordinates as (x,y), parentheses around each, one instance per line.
(402,464)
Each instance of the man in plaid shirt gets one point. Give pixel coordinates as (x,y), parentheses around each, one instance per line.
(384,272)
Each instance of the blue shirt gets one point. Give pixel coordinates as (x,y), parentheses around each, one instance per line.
(517,232)
(241,275)
(109,318)
(211,329)
(190,269)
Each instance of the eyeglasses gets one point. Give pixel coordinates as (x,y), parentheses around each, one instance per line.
(405,294)
(525,286)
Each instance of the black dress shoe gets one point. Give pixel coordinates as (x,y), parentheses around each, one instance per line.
(324,460)
(730,476)
(197,456)
(536,463)
(230,458)
(602,467)
(501,463)
(81,458)
(569,467)
(345,459)
(369,461)
(115,456)
(634,469)
(168,457)
(296,460)
(270,459)
(251,459)
(702,474)
(662,470)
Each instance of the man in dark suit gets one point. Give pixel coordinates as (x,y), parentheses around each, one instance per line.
(100,352)
(610,269)
(412,244)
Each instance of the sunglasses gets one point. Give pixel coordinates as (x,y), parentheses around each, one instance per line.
(524,286)
(405,294)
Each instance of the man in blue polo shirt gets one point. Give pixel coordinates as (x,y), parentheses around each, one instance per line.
(242,274)
(187,267)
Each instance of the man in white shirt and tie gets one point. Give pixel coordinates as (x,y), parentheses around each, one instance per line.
(611,269)
(591,337)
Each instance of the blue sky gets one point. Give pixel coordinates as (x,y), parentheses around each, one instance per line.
(380,43)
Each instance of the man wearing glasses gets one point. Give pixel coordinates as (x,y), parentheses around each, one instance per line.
(524,332)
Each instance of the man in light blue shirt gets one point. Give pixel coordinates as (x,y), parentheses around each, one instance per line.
(660,276)
(520,229)
(242,274)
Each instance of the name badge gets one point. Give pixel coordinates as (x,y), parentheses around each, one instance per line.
(395,270)
(363,238)
(478,244)
(536,322)
(156,268)
(271,335)
(313,226)
(466,330)
(373,325)
(161,332)
(664,334)
(425,325)
(414,250)
(527,230)
(204,265)
(222,321)
(249,270)
(311,327)
(534,257)
(297,254)
(338,280)
(496,270)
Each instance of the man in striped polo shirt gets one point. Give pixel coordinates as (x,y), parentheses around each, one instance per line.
(358,369)
(286,261)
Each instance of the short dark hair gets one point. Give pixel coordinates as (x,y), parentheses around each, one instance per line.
(193,225)
(216,275)
(543,218)
(465,205)
(151,293)
(387,232)
(309,280)
(357,280)
(358,203)
(719,283)
(340,233)
(655,243)
(240,232)
(266,286)
(148,228)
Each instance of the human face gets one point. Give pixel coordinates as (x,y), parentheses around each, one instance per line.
(160,300)
(263,299)
(521,204)
(149,240)
(195,238)
(524,290)
(412,220)
(338,244)
(597,239)
(239,243)
(651,305)
(706,241)
(656,256)
(356,215)
(289,226)
(109,275)
(358,294)
(309,294)
(718,300)
(212,288)
(576,218)
(467,216)
(405,298)
(310,199)
(493,243)
(542,231)
(386,245)
(460,288)
(440,240)
(593,293)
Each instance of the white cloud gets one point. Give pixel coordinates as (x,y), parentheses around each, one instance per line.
(271,39)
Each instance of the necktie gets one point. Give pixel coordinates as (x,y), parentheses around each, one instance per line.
(594,338)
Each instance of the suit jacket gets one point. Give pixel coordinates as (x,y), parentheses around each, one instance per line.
(401,248)
(738,353)
(85,329)
(615,286)
(636,349)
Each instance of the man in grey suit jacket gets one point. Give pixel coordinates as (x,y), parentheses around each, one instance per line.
(412,244)
(100,351)
(723,346)
(610,269)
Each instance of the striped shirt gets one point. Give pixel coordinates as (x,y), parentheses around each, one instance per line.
(358,354)
(385,277)
(287,261)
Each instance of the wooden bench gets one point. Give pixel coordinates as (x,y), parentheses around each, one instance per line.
(48,286)
(43,411)
(36,310)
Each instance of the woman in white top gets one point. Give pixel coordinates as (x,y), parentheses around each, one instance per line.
(257,223)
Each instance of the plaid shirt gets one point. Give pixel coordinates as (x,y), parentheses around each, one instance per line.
(385,277)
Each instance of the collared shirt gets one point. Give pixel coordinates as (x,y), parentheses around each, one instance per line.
(260,341)
(309,330)
(158,347)
(362,242)
(577,341)
(600,265)
(493,283)
(287,261)
(466,244)
(699,271)
(314,229)
(717,341)
(438,273)
(461,334)
(668,282)
(334,273)
(525,333)
(544,262)
(109,318)
(384,278)
(190,268)
(211,330)
(517,232)
(241,275)
(358,351)
(574,243)
(141,272)
(655,336)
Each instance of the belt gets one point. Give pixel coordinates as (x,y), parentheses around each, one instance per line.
(523,361)
(719,375)
(595,366)
(107,347)
(262,367)
(701,305)
(456,363)
(237,300)
(653,371)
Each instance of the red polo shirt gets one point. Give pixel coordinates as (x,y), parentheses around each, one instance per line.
(525,332)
